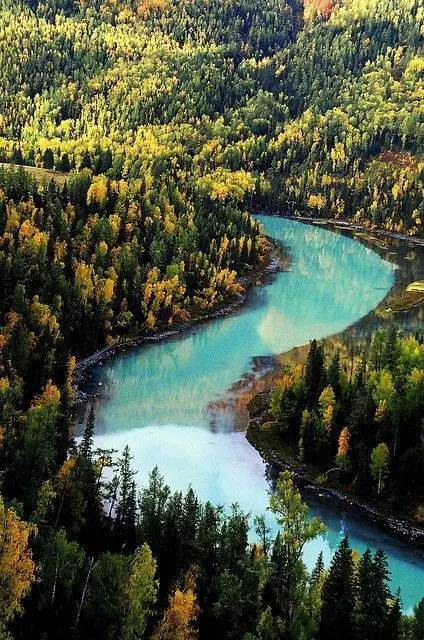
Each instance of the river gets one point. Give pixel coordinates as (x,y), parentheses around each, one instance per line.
(156,398)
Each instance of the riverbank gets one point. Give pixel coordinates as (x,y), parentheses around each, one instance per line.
(348,225)
(249,391)
(307,478)
(409,267)
(275,260)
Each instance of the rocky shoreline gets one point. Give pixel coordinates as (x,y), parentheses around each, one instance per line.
(347,225)
(352,227)
(398,527)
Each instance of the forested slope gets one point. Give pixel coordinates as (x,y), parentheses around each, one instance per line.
(322,105)
(169,120)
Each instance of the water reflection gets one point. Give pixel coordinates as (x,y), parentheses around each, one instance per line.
(156,399)
(332,282)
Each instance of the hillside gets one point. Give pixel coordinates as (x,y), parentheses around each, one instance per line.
(322,106)
(136,137)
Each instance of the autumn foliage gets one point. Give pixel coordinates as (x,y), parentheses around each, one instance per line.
(313,8)
(178,622)
(17,568)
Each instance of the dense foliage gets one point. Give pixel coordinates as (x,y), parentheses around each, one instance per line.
(164,120)
(166,566)
(322,104)
(81,265)
(357,413)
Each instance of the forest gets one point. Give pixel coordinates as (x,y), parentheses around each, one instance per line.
(156,127)
(355,413)
(319,105)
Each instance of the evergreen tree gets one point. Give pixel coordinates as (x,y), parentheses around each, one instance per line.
(86,161)
(393,625)
(65,426)
(17,157)
(373,595)
(125,506)
(106,161)
(418,621)
(314,373)
(338,618)
(308,443)
(318,569)
(86,475)
(390,347)
(64,163)
(152,504)
(48,159)
(333,374)
(85,449)
(287,409)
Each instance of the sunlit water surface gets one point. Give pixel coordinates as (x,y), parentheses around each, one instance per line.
(156,398)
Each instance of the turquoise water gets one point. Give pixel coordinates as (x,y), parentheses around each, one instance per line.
(156,398)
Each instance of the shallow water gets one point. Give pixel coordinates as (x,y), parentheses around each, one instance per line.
(156,398)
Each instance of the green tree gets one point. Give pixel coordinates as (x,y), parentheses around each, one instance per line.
(338,619)
(418,621)
(60,564)
(379,465)
(292,516)
(106,601)
(140,594)
(126,502)
(287,583)
(64,164)
(373,595)
(48,159)
(314,373)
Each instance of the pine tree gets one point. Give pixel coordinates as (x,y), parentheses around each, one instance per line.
(125,508)
(339,597)
(67,401)
(318,569)
(85,449)
(263,532)
(64,164)
(418,621)
(86,476)
(390,347)
(106,160)
(86,161)
(333,374)
(190,522)
(17,157)
(392,630)
(153,500)
(48,159)
(373,595)
(308,443)
(287,408)
(314,373)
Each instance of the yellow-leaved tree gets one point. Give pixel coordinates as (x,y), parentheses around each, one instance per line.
(179,618)
(17,568)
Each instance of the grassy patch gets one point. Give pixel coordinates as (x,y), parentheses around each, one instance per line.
(40,174)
